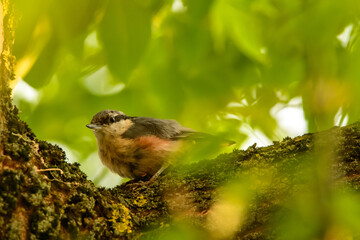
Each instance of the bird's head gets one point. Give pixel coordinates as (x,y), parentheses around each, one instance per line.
(111,121)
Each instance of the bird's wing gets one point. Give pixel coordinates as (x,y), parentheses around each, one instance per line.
(162,128)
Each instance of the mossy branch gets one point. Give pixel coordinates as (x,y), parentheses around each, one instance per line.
(63,204)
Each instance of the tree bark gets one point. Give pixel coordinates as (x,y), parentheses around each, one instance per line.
(44,197)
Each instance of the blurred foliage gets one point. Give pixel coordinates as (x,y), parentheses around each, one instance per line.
(213,65)
(186,61)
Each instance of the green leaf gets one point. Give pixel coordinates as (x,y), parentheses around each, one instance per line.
(124,33)
(198,9)
(45,65)
(31,14)
(73,20)
(234,20)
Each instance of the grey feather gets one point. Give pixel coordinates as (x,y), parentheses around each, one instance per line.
(162,128)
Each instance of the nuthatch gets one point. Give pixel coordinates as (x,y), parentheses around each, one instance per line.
(135,147)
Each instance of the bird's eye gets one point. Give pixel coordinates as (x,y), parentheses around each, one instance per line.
(112,119)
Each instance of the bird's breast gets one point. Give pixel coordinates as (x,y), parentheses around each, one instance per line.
(133,158)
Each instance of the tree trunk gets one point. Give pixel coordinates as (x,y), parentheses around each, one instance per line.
(44,197)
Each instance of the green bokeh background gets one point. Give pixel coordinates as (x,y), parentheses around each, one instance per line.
(213,65)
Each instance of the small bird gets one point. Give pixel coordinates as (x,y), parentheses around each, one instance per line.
(136,147)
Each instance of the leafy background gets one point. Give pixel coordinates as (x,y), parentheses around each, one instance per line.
(212,65)
(226,67)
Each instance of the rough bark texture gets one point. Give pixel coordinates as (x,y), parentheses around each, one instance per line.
(44,197)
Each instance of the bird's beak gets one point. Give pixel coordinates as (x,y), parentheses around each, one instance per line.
(93,126)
